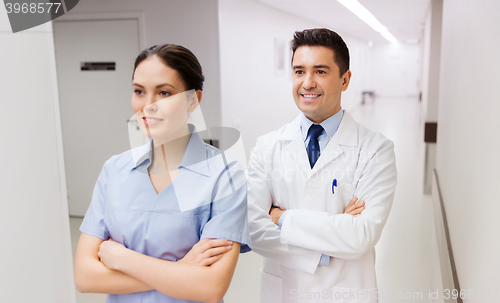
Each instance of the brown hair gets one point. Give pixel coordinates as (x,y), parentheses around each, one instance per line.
(179,58)
(327,38)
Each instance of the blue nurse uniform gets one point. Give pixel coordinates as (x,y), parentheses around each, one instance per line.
(208,199)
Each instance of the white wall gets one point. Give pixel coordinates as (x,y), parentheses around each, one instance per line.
(35,251)
(424,67)
(395,70)
(431,55)
(468,140)
(255,99)
(431,60)
(193,24)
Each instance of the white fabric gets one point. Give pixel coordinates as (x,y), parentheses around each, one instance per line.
(363,163)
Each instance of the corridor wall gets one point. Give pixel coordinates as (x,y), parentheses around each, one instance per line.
(35,250)
(468,142)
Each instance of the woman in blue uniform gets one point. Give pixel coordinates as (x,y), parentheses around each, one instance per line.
(168,219)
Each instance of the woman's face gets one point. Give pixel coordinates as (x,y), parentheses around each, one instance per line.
(160,108)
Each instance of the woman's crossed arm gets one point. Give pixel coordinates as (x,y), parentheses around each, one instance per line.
(109,267)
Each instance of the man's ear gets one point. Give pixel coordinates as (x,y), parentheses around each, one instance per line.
(195,101)
(346,79)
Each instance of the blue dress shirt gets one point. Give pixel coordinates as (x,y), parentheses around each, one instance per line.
(330,126)
(208,199)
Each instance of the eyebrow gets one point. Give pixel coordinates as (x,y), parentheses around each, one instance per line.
(316,66)
(158,86)
(322,66)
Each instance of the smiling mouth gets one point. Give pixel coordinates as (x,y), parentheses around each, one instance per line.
(151,121)
(309,96)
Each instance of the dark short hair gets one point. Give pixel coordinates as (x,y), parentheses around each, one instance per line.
(327,38)
(178,58)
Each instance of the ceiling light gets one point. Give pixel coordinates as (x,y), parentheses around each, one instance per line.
(359,10)
(389,37)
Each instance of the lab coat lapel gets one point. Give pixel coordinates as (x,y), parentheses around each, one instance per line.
(294,145)
(331,152)
(346,135)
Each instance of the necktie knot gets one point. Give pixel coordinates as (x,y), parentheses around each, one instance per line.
(315,130)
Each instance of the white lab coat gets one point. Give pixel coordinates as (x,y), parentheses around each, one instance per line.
(279,174)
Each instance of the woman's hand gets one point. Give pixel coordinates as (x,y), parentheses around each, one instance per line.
(110,252)
(354,208)
(207,251)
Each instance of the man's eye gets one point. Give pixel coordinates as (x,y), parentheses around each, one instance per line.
(299,72)
(321,72)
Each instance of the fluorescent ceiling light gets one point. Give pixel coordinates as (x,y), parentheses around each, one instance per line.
(359,10)
(389,37)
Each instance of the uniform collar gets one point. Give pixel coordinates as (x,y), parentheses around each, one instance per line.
(194,159)
(347,133)
(196,155)
(330,125)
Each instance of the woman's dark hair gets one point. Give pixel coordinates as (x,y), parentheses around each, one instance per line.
(179,58)
(327,38)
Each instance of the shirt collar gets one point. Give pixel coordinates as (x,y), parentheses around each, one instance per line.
(196,155)
(195,158)
(331,124)
(142,155)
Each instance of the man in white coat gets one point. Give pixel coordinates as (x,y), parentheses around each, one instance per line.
(304,181)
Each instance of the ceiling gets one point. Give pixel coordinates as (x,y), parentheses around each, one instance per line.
(405,19)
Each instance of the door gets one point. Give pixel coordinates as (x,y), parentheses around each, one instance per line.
(94,98)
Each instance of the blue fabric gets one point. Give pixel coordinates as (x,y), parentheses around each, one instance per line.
(207,200)
(331,124)
(313,151)
(324,260)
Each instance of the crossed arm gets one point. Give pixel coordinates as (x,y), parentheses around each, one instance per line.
(307,234)
(204,274)
(355,208)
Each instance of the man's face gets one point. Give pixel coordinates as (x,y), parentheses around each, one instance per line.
(317,85)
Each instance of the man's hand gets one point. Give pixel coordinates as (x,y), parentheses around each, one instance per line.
(207,251)
(275,213)
(354,208)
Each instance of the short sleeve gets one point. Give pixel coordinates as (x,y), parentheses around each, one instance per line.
(228,217)
(93,222)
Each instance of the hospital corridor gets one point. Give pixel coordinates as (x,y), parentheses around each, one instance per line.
(421,74)
(406,244)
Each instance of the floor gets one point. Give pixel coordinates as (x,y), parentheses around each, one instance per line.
(405,250)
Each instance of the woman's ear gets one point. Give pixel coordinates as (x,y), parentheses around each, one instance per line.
(195,101)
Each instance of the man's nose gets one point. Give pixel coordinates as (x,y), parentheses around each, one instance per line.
(309,82)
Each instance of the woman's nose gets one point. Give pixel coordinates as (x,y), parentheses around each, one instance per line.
(151,105)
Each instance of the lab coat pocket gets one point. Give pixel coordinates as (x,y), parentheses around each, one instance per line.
(270,288)
(336,201)
(340,197)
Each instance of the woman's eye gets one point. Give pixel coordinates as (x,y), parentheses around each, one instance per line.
(298,72)
(138,91)
(164,93)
